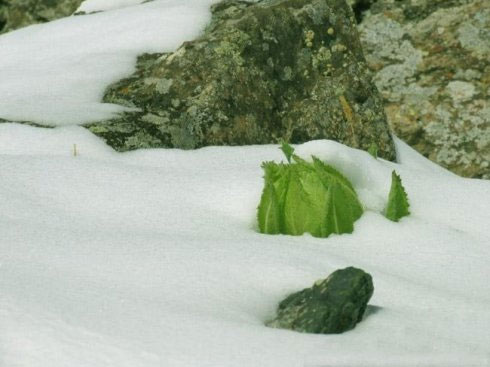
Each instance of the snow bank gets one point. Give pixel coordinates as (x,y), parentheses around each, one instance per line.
(151,258)
(56,73)
(90,6)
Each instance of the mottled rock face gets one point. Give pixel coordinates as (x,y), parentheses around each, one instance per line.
(431,64)
(331,306)
(262,72)
(16,14)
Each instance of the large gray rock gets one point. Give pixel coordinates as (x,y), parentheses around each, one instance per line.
(262,72)
(331,306)
(431,59)
(16,14)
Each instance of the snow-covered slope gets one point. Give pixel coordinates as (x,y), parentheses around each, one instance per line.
(90,6)
(152,258)
(56,73)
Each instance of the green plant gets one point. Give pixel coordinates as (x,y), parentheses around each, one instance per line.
(373,150)
(397,200)
(300,197)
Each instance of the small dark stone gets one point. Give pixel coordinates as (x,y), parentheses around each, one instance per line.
(331,306)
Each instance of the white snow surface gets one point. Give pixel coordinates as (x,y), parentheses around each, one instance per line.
(89,6)
(152,258)
(56,73)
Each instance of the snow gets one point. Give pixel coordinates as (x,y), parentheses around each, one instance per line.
(56,73)
(152,258)
(90,6)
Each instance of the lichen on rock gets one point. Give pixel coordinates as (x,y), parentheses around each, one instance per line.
(261,72)
(430,59)
(16,14)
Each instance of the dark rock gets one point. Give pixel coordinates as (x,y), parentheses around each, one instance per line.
(331,306)
(430,59)
(16,14)
(261,72)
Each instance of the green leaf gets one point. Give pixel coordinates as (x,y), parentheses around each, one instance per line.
(327,173)
(373,150)
(342,208)
(308,197)
(397,200)
(278,175)
(315,193)
(296,206)
(269,211)
(288,150)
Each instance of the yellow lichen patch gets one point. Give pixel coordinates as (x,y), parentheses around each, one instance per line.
(124,90)
(309,36)
(349,115)
(339,48)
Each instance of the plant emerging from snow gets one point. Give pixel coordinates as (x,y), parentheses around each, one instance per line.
(302,197)
(397,200)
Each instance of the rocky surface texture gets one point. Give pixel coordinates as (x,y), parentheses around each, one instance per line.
(331,306)
(16,14)
(431,63)
(261,72)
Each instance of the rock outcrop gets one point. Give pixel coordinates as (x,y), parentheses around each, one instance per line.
(16,14)
(430,59)
(261,72)
(331,306)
